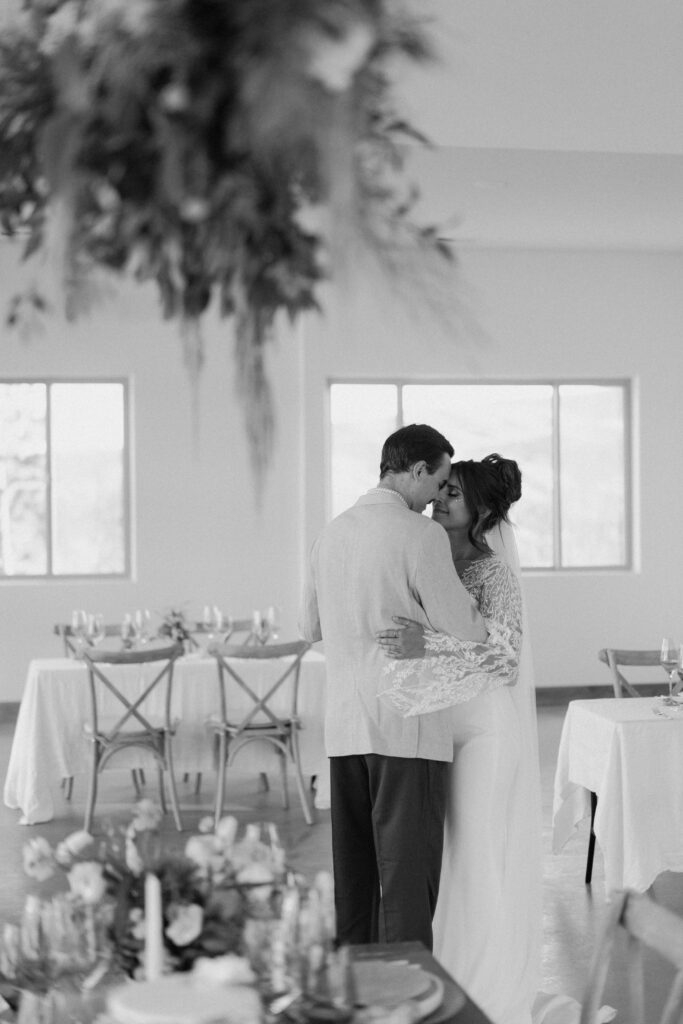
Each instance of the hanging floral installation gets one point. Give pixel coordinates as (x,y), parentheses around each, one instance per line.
(226,150)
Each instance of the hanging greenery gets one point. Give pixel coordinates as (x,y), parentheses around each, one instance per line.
(224,149)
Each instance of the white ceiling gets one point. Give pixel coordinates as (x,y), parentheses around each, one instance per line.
(556,123)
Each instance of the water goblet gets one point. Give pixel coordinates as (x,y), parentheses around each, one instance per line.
(96,628)
(79,628)
(128,631)
(670,653)
(273,618)
(143,625)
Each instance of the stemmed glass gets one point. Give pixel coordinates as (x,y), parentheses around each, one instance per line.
(143,625)
(79,627)
(96,630)
(273,618)
(669,657)
(260,627)
(129,633)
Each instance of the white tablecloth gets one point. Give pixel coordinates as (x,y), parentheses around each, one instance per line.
(49,745)
(633,759)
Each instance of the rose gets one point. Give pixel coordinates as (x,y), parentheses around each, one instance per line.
(87,882)
(72,847)
(226,830)
(148,816)
(39,861)
(186,923)
(252,875)
(222,970)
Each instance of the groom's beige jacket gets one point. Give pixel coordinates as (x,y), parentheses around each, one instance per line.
(376,560)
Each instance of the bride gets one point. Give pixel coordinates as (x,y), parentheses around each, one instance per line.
(487,927)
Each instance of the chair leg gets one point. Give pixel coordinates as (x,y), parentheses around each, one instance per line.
(591,841)
(264,784)
(285,780)
(68,786)
(172,785)
(92,791)
(296,758)
(136,782)
(162,790)
(220,777)
(198,784)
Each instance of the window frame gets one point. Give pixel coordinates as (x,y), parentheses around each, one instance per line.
(624,383)
(50,576)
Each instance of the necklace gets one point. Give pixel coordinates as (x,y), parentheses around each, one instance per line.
(391,491)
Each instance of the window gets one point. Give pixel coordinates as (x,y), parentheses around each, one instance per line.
(570,439)
(63,479)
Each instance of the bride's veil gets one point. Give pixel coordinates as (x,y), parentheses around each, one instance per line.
(525,862)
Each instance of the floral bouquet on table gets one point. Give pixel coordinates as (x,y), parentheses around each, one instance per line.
(220,898)
(175,626)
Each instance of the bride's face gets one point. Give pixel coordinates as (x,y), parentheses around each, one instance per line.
(450,509)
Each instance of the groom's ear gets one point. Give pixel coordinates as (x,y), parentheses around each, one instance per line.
(419,469)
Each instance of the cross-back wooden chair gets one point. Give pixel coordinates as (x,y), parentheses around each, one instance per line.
(616,659)
(257,719)
(70,641)
(134,725)
(647,925)
(238,631)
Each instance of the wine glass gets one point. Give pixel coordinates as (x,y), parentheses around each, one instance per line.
(79,627)
(143,624)
(273,617)
(128,630)
(96,630)
(260,627)
(669,656)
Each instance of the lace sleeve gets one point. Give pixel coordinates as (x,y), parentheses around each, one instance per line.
(453,671)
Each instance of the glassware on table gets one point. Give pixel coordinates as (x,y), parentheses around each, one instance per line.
(129,633)
(669,657)
(96,630)
(274,618)
(260,627)
(79,626)
(143,625)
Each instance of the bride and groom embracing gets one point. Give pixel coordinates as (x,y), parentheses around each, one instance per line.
(430,724)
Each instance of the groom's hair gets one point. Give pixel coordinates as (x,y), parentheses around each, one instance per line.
(412,444)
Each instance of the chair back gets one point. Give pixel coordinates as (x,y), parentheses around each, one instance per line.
(615,659)
(259,712)
(239,631)
(647,925)
(72,647)
(133,715)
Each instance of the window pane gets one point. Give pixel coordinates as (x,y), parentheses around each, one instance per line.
(87,437)
(23,519)
(514,420)
(592,475)
(362,416)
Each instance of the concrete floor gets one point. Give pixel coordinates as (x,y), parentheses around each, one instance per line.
(572,911)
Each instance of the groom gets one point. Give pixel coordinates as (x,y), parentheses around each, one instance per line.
(388,774)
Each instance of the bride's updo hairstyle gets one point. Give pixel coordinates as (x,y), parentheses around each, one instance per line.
(489,488)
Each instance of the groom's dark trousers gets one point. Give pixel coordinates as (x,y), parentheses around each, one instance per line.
(387,841)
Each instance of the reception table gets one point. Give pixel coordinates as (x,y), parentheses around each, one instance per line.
(629,751)
(456,1007)
(49,745)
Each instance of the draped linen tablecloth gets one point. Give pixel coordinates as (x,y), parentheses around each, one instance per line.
(49,745)
(632,758)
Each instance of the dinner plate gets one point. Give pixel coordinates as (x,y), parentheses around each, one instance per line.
(384,986)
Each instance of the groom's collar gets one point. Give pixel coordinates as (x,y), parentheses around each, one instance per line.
(384,495)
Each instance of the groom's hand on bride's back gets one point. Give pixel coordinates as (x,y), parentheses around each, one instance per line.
(404,640)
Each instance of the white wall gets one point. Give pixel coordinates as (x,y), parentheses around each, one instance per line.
(199,535)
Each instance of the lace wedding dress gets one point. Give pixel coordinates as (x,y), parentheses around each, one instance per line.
(487,928)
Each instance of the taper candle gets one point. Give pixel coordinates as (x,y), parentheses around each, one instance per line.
(154,943)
